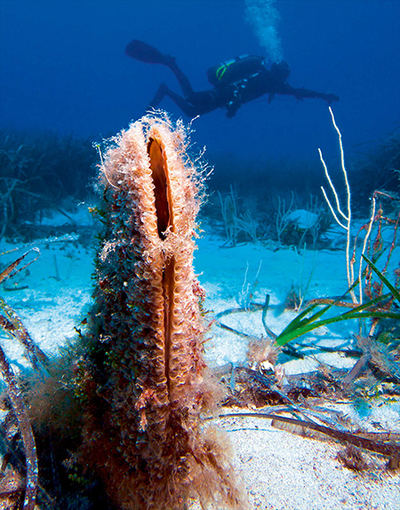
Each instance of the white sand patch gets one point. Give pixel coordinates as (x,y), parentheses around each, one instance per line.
(280,470)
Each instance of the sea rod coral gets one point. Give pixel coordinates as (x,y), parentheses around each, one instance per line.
(142,379)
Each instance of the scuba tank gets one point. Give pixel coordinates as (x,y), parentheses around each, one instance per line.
(235,69)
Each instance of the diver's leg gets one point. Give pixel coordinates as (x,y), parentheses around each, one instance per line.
(180,76)
(180,101)
(146,53)
(159,96)
(187,108)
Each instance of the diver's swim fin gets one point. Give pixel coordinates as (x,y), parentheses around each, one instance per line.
(146,53)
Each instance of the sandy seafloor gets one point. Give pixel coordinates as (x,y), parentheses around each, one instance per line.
(279,470)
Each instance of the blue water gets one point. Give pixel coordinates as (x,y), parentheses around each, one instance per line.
(63,68)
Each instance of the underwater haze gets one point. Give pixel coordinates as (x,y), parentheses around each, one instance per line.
(64,68)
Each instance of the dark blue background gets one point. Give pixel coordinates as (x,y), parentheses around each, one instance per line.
(63,68)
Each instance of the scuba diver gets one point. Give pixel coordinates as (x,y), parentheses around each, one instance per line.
(235,82)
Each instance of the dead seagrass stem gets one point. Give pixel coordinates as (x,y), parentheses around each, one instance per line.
(142,378)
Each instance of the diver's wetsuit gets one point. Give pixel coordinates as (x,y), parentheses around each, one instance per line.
(228,95)
(231,96)
(193,103)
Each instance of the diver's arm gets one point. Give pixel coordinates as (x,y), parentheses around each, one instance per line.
(300,93)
